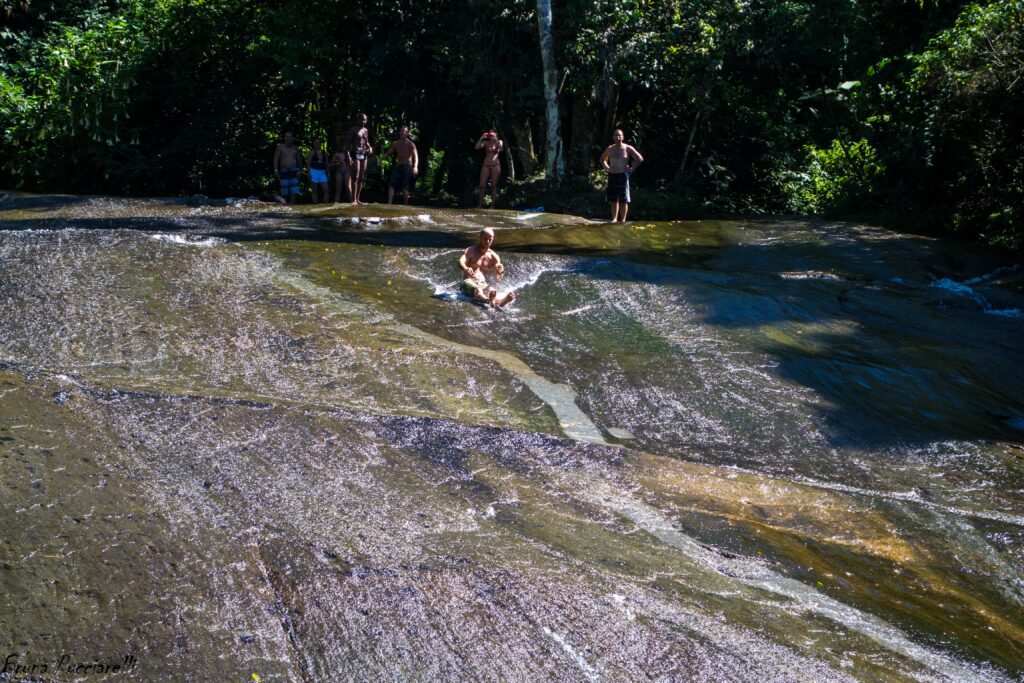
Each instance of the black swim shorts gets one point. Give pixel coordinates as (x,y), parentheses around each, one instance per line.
(618,187)
(401,176)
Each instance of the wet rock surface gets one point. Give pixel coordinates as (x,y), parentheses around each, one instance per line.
(237,439)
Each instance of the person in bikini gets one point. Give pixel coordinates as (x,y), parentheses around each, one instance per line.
(406,167)
(317,164)
(359,148)
(341,162)
(287,165)
(476,263)
(620,160)
(491,170)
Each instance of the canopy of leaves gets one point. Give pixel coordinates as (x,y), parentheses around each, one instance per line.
(903,110)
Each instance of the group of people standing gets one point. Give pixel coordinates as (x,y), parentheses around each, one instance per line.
(348,164)
(354,149)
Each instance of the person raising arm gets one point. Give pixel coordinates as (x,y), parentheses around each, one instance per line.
(491,169)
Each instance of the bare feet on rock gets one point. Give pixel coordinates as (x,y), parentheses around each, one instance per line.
(501,302)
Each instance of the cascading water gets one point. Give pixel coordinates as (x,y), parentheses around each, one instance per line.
(241,439)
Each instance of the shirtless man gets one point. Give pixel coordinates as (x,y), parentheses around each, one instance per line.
(359,147)
(407,164)
(620,160)
(476,263)
(491,169)
(342,161)
(287,164)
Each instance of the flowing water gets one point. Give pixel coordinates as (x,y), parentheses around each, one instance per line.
(239,439)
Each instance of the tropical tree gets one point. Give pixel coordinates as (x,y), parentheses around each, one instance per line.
(555,156)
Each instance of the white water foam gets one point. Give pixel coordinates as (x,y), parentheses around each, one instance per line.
(994,274)
(190,240)
(1006,312)
(515,278)
(581,309)
(963,289)
(955,287)
(244,202)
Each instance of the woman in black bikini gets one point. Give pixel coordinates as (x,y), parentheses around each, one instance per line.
(491,169)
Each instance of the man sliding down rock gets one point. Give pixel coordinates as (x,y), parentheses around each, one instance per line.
(476,263)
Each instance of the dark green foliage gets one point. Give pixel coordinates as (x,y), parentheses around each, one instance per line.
(908,111)
(968,106)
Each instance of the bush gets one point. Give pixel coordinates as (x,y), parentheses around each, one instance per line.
(65,108)
(842,177)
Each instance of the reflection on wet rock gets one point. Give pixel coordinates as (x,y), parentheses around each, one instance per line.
(239,439)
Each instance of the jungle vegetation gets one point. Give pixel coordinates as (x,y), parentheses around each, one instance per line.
(908,112)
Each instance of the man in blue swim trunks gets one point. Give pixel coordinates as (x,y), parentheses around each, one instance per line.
(620,160)
(406,167)
(287,164)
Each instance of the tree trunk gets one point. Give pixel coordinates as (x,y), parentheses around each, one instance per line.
(581,153)
(511,164)
(519,142)
(689,142)
(555,156)
(611,113)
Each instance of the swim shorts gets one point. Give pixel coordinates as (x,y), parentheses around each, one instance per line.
(618,187)
(317,176)
(401,176)
(289,181)
(470,287)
